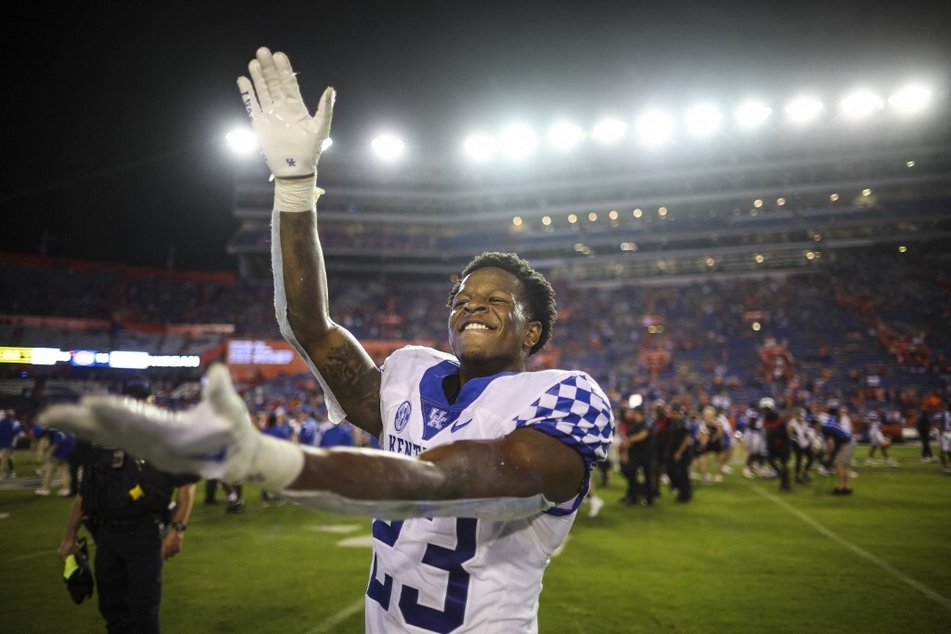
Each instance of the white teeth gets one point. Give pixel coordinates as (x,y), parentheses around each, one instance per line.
(476,327)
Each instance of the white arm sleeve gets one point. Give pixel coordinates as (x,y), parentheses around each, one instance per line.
(334,410)
(484,508)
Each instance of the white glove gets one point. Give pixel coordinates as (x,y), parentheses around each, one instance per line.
(290,138)
(215,439)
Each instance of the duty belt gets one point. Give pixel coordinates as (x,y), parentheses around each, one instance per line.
(126,524)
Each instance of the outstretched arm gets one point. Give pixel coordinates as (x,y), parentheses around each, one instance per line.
(517,475)
(292,141)
(514,476)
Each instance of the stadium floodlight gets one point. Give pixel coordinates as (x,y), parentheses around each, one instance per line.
(564,136)
(804,109)
(703,120)
(479,146)
(387,147)
(910,99)
(518,141)
(752,113)
(861,104)
(242,141)
(609,131)
(655,127)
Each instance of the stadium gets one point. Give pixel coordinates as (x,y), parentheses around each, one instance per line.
(716,254)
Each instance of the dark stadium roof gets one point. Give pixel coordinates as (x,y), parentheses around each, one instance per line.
(114,118)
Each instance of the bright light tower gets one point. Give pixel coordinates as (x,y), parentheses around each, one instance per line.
(804,109)
(655,127)
(910,99)
(518,141)
(479,146)
(564,136)
(387,147)
(861,104)
(609,131)
(703,120)
(752,113)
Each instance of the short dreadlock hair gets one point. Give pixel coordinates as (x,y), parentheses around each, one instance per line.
(540,294)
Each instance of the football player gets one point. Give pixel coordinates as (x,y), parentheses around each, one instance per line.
(485,464)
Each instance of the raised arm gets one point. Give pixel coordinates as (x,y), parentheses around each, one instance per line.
(343,366)
(292,141)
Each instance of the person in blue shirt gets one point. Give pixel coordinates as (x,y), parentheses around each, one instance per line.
(338,435)
(10,431)
(278,426)
(61,448)
(307,434)
(841,446)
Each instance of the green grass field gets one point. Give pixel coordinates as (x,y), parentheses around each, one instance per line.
(739,558)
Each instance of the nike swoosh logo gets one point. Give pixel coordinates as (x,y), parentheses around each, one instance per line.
(456,426)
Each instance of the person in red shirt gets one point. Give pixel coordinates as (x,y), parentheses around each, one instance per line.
(777,441)
(659,446)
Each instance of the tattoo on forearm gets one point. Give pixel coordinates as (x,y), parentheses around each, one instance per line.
(345,369)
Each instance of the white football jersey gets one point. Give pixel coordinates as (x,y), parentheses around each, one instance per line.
(465,574)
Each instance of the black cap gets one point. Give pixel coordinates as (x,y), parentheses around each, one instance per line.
(137,387)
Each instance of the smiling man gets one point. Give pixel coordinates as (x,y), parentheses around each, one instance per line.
(485,464)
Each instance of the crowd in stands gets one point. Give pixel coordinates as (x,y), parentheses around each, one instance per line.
(870,332)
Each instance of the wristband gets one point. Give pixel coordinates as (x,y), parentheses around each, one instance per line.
(275,464)
(296,194)
(178,526)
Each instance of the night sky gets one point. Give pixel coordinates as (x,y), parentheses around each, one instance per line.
(114,115)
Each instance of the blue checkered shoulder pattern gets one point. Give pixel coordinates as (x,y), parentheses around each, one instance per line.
(575,411)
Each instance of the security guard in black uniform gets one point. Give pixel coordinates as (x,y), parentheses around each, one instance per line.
(125,503)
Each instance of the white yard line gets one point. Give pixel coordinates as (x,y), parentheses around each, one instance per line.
(334,620)
(896,573)
(42,553)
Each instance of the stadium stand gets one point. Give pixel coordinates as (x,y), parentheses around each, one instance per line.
(687,337)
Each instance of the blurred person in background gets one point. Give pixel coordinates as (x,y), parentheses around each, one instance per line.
(62,445)
(660,443)
(635,458)
(840,444)
(679,453)
(802,438)
(10,432)
(754,437)
(342,434)
(699,438)
(280,428)
(307,428)
(39,442)
(727,440)
(943,424)
(124,502)
(709,450)
(777,441)
(877,441)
